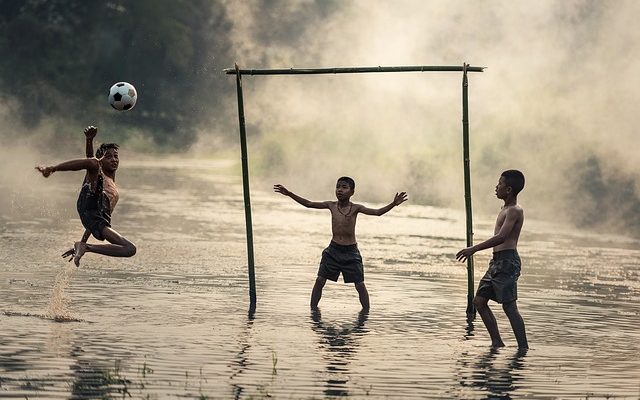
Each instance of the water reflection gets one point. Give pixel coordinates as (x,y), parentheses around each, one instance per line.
(494,375)
(340,344)
(241,360)
(93,381)
(59,342)
(13,357)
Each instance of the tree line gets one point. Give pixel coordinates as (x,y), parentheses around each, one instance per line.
(60,57)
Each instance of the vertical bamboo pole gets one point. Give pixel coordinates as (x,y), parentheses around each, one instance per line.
(471,312)
(247,197)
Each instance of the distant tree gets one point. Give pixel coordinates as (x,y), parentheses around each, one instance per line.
(59,58)
(610,201)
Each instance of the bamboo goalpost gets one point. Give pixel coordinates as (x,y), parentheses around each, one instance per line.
(465,68)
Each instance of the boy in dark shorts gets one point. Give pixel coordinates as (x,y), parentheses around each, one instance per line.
(342,255)
(98,197)
(500,281)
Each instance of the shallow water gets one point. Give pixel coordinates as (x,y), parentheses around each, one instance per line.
(172,321)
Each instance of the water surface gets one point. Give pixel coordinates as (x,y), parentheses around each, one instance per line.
(172,321)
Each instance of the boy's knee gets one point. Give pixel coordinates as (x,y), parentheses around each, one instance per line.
(131,249)
(480,302)
(360,286)
(510,307)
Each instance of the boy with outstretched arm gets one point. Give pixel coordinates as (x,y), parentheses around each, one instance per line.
(500,281)
(342,255)
(96,202)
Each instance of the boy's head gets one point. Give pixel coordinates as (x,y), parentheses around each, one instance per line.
(107,153)
(511,183)
(345,187)
(104,147)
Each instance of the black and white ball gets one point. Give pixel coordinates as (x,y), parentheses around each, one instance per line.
(123,96)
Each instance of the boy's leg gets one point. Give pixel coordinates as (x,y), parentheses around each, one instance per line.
(363,294)
(489,320)
(316,293)
(517,324)
(118,247)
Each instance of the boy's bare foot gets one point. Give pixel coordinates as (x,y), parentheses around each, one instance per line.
(497,345)
(69,253)
(79,249)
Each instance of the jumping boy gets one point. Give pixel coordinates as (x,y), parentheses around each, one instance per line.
(500,281)
(90,133)
(342,255)
(97,200)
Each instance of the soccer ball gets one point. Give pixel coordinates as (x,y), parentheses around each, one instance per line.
(123,96)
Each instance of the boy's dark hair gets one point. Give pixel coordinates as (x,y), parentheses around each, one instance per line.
(349,181)
(104,147)
(515,179)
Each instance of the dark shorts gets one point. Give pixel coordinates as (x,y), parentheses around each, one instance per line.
(93,211)
(338,259)
(500,283)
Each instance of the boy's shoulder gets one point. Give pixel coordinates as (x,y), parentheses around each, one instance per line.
(515,209)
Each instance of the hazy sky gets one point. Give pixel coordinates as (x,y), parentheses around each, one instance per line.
(560,87)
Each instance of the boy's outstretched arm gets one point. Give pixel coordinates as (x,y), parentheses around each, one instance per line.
(90,164)
(90,132)
(496,240)
(307,203)
(397,200)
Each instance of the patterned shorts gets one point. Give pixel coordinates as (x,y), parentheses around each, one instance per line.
(500,283)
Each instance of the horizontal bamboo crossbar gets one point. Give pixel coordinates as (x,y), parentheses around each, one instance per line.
(352,70)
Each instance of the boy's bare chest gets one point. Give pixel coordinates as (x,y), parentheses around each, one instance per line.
(500,220)
(111,190)
(343,219)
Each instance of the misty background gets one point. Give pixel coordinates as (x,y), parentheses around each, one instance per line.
(557,100)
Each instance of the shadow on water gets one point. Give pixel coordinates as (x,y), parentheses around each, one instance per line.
(341,344)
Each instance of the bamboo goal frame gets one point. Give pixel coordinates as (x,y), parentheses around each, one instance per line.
(465,68)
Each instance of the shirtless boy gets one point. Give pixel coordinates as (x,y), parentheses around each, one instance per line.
(342,255)
(500,281)
(96,202)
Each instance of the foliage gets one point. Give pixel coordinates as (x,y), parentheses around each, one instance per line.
(59,58)
(602,199)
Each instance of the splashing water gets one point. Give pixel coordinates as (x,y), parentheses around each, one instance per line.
(59,301)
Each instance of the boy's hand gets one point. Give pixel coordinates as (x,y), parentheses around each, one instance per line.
(465,253)
(281,189)
(400,198)
(90,132)
(45,171)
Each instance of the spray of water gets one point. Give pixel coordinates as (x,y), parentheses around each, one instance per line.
(58,305)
